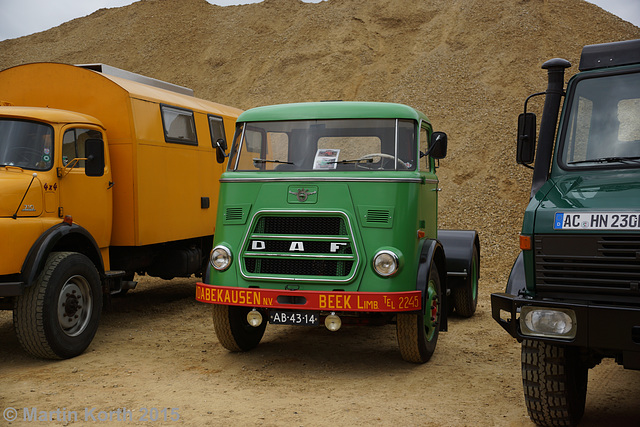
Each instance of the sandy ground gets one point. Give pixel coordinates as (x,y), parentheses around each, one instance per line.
(156,357)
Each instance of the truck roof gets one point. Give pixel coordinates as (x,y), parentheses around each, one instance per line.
(331,110)
(51,115)
(62,80)
(605,55)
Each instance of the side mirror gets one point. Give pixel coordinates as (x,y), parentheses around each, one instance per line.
(221,149)
(525,152)
(438,149)
(94,150)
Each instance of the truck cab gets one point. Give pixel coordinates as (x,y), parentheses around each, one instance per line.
(328,214)
(573,297)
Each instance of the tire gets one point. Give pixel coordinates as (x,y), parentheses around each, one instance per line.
(57,317)
(233,330)
(465,298)
(418,332)
(555,383)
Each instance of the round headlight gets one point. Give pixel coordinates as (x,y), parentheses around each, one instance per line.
(385,263)
(220,258)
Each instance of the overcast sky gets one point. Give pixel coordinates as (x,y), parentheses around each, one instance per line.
(23,17)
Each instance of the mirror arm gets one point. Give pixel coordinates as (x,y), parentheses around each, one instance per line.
(64,171)
(219,145)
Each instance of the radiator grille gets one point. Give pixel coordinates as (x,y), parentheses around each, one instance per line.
(600,265)
(300,247)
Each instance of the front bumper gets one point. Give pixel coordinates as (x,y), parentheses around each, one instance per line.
(381,302)
(605,327)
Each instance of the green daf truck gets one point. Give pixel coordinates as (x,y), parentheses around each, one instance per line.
(573,296)
(328,215)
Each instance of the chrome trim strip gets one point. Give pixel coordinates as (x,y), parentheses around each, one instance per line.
(355,256)
(307,256)
(294,179)
(235,167)
(395,154)
(302,237)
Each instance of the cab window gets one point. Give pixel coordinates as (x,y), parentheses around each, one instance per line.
(73,145)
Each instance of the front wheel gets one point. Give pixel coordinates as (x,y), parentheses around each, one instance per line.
(233,330)
(555,383)
(57,317)
(418,332)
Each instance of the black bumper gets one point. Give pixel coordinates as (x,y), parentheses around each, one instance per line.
(11,289)
(609,329)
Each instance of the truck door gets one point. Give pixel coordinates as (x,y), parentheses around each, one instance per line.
(428,209)
(88,199)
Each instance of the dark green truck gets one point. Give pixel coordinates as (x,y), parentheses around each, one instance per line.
(573,296)
(328,215)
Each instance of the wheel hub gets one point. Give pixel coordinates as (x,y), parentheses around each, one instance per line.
(74,306)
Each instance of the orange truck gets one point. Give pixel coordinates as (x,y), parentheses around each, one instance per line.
(103,174)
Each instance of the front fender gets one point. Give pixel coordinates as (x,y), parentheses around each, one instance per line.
(432,253)
(516,283)
(60,237)
(458,246)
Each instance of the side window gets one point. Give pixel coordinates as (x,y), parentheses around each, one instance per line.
(425,165)
(216,127)
(73,145)
(179,125)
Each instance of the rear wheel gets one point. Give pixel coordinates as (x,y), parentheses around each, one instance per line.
(57,317)
(555,383)
(465,298)
(233,330)
(418,332)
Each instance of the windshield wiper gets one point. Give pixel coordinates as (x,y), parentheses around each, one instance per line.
(256,160)
(628,160)
(369,160)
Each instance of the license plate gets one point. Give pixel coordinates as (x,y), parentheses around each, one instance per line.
(293,317)
(597,221)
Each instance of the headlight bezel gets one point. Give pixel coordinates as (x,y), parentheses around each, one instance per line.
(214,258)
(535,327)
(389,256)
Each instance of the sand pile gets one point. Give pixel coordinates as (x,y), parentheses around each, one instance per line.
(468,64)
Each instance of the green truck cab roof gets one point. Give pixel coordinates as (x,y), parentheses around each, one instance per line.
(332,110)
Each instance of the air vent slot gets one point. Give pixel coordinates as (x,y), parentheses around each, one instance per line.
(377,217)
(236,214)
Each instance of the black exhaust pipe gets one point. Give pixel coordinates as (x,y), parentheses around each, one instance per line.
(554,93)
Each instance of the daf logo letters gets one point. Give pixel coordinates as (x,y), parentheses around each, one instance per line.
(260,245)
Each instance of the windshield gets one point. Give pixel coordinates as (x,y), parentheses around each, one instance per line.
(25,144)
(325,145)
(603,124)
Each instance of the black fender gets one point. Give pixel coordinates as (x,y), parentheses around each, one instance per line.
(517,283)
(431,253)
(458,246)
(60,237)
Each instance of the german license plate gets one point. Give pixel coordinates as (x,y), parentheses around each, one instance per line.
(294,317)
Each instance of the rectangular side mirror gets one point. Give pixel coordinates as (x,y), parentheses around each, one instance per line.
(221,150)
(438,149)
(94,150)
(526,145)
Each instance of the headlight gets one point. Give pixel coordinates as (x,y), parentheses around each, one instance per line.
(385,263)
(548,322)
(220,258)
